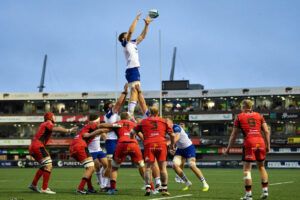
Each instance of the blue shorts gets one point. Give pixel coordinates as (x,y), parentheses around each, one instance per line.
(110,146)
(98,155)
(188,152)
(132,74)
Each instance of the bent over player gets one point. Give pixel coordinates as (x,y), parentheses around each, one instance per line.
(256,145)
(40,154)
(126,147)
(132,57)
(185,150)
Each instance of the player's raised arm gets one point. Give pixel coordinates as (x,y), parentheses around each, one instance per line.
(267,135)
(142,36)
(132,27)
(121,100)
(64,130)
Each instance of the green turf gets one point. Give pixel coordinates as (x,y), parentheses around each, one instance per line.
(224,184)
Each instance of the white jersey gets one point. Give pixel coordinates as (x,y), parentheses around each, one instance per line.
(131,53)
(184,140)
(111,118)
(94,145)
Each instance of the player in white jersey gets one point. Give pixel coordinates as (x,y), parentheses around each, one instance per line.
(111,117)
(100,161)
(185,150)
(132,58)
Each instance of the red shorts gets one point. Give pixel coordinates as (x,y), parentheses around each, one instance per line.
(79,152)
(254,150)
(156,151)
(131,149)
(38,151)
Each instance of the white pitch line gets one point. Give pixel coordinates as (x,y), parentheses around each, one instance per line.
(282,183)
(178,196)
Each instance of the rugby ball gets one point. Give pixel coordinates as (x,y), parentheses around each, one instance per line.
(153,13)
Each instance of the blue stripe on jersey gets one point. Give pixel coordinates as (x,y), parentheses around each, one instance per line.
(109,114)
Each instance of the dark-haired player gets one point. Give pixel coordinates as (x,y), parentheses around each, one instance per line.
(40,154)
(132,58)
(79,150)
(256,145)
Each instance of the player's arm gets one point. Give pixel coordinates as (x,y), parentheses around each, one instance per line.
(108,125)
(96,132)
(141,99)
(64,130)
(142,36)
(232,138)
(132,26)
(267,135)
(121,100)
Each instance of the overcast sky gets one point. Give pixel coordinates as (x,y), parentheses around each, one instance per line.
(221,43)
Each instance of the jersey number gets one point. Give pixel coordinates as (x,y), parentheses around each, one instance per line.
(154,126)
(251,122)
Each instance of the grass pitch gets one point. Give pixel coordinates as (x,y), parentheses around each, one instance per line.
(224,184)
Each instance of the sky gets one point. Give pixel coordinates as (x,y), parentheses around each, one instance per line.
(220,43)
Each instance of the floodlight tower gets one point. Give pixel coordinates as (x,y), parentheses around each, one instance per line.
(41,86)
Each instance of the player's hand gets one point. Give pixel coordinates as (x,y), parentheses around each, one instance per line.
(138,15)
(148,20)
(268,149)
(226,152)
(73,130)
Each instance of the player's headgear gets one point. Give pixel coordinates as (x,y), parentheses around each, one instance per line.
(121,36)
(48,116)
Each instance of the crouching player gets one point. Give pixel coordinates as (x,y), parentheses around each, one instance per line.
(185,150)
(79,150)
(256,145)
(40,154)
(125,147)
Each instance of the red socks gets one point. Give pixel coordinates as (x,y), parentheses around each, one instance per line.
(37,177)
(46,177)
(82,183)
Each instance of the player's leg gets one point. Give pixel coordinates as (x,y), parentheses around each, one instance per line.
(133,98)
(198,173)
(149,159)
(161,156)
(88,164)
(35,153)
(156,175)
(247,180)
(177,161)
(177,178)
(260,155)
(110,146)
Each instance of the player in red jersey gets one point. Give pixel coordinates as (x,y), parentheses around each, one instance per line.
(79,149)
(256,145)
(39,153)
(154,130)
(126,146)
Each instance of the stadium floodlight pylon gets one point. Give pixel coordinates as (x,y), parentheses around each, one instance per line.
(41,86)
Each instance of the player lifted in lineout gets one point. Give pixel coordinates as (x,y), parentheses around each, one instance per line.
(256,145)
(132,57)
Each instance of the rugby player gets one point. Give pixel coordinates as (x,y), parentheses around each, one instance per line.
(256,145)
(40,154)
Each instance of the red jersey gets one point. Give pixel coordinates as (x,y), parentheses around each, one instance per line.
(250,123)
(88,128)
(124,132)
(44,132)
(154,129)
